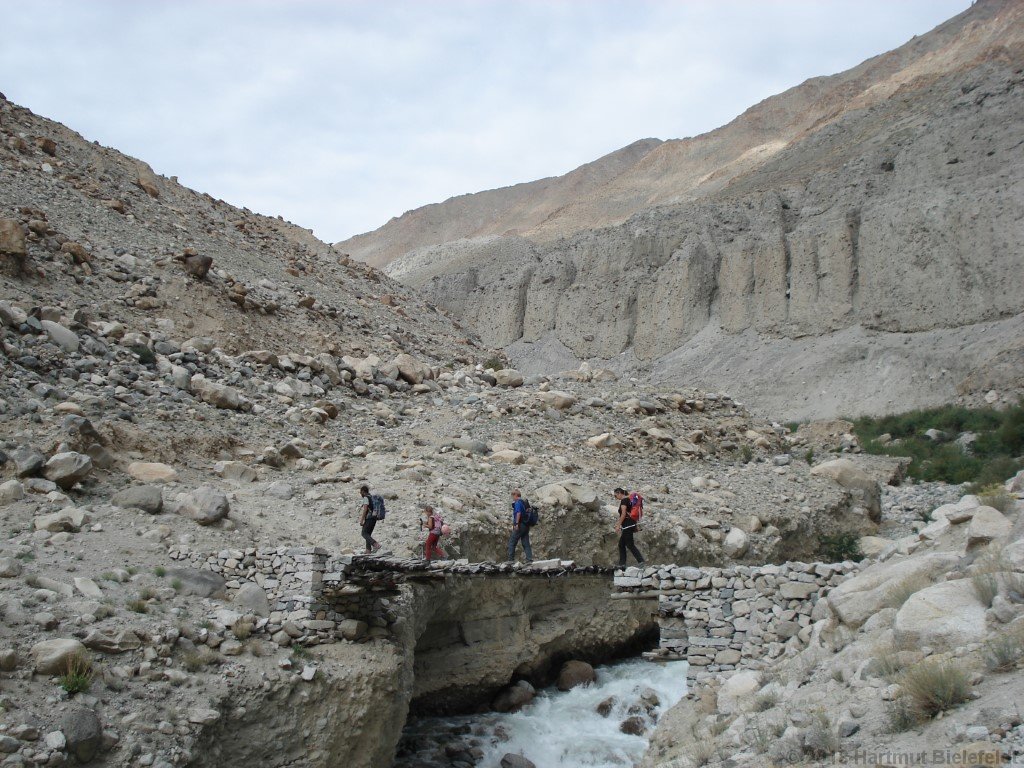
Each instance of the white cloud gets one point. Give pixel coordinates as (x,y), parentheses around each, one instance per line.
(341,115)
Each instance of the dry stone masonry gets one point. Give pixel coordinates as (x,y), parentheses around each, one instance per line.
(316,597)
(719,619)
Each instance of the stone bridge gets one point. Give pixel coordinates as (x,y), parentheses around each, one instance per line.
(717,619)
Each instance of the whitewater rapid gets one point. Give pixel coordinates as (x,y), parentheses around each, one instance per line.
(557,730)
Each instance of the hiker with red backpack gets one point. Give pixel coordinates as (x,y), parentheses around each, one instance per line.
(436,528)
(631,508)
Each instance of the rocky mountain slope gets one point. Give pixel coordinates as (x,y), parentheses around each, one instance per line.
(186,387)
(860,228)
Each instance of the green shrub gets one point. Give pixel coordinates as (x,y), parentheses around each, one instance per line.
(766,700)
(160,571)
(77,675)
(199,658)
(840,547)
(935,686)
(746,454)
(176,585)
(809,456)
(993,457)
(494,364)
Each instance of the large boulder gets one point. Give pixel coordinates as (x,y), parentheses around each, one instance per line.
(10,492)
(83,733)
(51,657)
(514,698)
(148,498)
(12,238)
(152,472)
(67,469)
(206,505)
(575,673)
(946,615)
(557,399)
(217,395)
(199,583)
(851,477)
(857,599)
(121,641)
(987,525)
(410,369)
(251,598)
(508,377)
(69,519)
(737,691)
(736,543)
(66,339)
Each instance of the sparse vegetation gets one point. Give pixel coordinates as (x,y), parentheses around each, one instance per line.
(138,606)
(809,456)
(746,454)
(986,587)
(765,700)
(300,652)
(821,739)
(901,592)
(932,687)
(992,458)
(494,364)
(26,556)
(160,571)
(997,497)
(242,629)
(196,660)
(78,674)
(147,593)
(1005,650)
(840,547)
(176,585)
(763,732)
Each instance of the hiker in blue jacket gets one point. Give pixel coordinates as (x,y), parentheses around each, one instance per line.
(520,528)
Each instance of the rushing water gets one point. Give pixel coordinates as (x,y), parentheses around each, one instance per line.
(556,730)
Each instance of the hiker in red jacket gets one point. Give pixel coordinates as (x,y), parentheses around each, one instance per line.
(626,527)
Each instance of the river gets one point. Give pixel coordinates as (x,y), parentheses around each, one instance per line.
(556,730)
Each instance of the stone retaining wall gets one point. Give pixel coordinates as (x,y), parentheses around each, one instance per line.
(718,619)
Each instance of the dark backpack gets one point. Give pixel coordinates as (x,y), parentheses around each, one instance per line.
(532,516)
(377,506)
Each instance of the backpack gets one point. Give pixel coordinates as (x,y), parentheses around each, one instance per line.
(636,506)
(377,506)
(531,517)
(439,525)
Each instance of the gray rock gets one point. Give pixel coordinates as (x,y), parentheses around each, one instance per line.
(9,567)
(515,761)
(119,642)
(50,657)
(10,492)
(67,469)
(148,498)
(575,673)
(199,583)
(513,698)
(206,505)
(83,733)
(477,447)
(27,462)
(281,491)
(251,598)
(61,336)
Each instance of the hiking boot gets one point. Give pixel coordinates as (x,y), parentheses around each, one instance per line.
(375,547)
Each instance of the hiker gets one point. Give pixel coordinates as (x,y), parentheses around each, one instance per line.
(520,528)
(373,510)
(626,527)
(435,529)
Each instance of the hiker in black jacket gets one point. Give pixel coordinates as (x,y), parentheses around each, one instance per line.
(626,527)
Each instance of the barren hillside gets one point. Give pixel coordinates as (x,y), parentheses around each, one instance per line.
(847,246)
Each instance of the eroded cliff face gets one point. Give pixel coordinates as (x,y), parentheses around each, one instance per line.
(903,217)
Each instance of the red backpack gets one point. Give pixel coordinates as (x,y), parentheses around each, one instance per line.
(636,505)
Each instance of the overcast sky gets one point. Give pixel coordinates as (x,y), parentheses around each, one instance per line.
(340,115)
